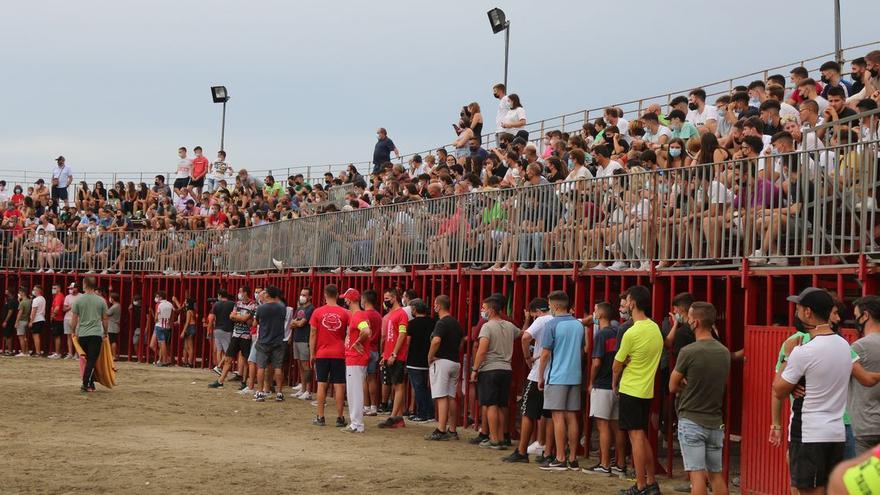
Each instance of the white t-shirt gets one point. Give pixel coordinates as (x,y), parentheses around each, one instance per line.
(69,299)
(38,309)
(536,330)
(513,117)
(63,174)
(719,193)
(163,314)
(822,102)
(184,168)
(579,173)
(288,316)
(787,110)
(825,364)
(608,170)
(697,117)
(503,108)
(512,176)
(661,131)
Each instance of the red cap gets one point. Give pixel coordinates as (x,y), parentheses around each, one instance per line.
(352,295)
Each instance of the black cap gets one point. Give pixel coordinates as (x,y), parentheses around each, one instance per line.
(818,300)
(59,159)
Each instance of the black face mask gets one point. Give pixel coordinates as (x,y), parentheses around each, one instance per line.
(388,304)
(474,148)
(860,326)
(157,183)
(874,72)
(692,106)
(824,80)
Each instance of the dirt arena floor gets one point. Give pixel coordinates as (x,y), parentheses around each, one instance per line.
(163,431)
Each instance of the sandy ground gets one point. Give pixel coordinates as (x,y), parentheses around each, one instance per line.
(163,431)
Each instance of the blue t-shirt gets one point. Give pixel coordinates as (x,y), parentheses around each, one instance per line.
(382,152)
(564,338)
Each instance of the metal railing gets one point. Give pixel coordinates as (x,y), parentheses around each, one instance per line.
(801,207)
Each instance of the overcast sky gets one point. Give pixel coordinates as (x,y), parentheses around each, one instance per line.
(119,85)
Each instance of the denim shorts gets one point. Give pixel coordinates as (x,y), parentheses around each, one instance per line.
(163,334)
(700,447)
(373,365)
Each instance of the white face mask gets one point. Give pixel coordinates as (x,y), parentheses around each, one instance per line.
(303,299)
(34,293)
(54,291)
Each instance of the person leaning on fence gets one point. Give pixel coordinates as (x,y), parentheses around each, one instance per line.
(89,329)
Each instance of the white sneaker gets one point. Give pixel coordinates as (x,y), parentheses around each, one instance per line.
(535,448)
(305,395)
(297,389)
(618,266)
(644,266)
(21,354)
(778,261)
(383,269)
(50,271)
(105,272)
(336,270)
(758,257)
(278,264)
(54,355)
(40,270)
(349,270)
(245,391)
(600,267)
(397,269)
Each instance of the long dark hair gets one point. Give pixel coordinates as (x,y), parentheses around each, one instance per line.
(708,145)
(514,101)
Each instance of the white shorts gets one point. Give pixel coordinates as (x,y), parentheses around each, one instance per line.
(67,328)
(604,404)
(443,375)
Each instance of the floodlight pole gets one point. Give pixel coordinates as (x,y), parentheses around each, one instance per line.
(506,51)
(223,126)
(838,50)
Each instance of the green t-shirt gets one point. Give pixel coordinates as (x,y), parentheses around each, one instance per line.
(705,364)
(806,336)
(686,132)
(643,344)
(91,310)
(25,307)
(275,189)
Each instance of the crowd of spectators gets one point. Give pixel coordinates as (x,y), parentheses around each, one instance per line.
(697,210)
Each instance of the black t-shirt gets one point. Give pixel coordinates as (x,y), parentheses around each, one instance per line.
(419,331)
(449,331)
(11,305)
(136,315)
(221,312)
(382,151)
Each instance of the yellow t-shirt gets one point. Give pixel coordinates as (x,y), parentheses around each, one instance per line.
(643,344)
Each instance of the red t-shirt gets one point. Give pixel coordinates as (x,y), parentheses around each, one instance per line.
(375,319)
(58,302)
(394,325)
(217,219)
(359,322)
(331,323)
(200,167)
(17,199)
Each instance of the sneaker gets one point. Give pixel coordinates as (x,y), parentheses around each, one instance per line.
(622,473)
(453,435)
(644,266)
(535,448)
(397,269)
(778,261)
(574,466)
(40,270)
(217,370)
(634,490)
(541,459)
(507,442)
(305,395)
(418,419)
(371,412)
(516,457)
(393,423)
(216,384)
(340,422)
(349,429)
(598,469)
(83,389)
(618,266)
(279,397)
(437,436)
(235,377)
(21,354)
(242,386)
(260,397)
(652,489)
(555,465)
(494,445)
(477,440)
(683,488)
(757,257)
(50,271)
(245,391)
(297,389)
(54,355)
(319,421)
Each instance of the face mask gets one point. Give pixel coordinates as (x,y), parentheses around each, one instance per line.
(674,152)
(774,152)
(588,158)
(570,163)
(387,304)
(768,122)
(302,299)
(484,315)
(34,293)
(256,295)
(474,148)
(874,72)
(692,106)
(675,127)
(824,80)
(624,314)
(679,318)
(835,327)
(136,303)
(156,299)
(240,297)
(722,113)
(54,291)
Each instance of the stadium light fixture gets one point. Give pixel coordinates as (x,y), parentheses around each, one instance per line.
(220,95)
(499,23)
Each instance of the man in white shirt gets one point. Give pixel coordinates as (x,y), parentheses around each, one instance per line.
(605,165)
(656,135)
(4,194)
(184,172)
(823,367)
(705,117)
(613,116)
(62,177)
(807,89)
(499,91)
(37,321)
(536,318)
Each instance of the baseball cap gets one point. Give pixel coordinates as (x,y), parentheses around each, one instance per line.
(59,159)
(818,300)
(351,295)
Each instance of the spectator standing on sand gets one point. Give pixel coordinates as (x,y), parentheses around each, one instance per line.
(10,310)
(444,369)
(357,357)
(864,402)
(327,345)
(114,316)
(164,310)
(72,295)
(700,379)
(221,328)
(89,328)
(270,342)
(419,330)
(372,392)
(57,316)
(21,321)
(301,330)
(37,321)
(395,346)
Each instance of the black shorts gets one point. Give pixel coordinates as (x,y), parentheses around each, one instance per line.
(493,387)
(810,464)
(57,328)
(634,413)
(330,370)
(236,345)
(9,331)
(181,183)
(39,328)
(59,193)
(113,337)
(197,182)
(393,374)
(533,402)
